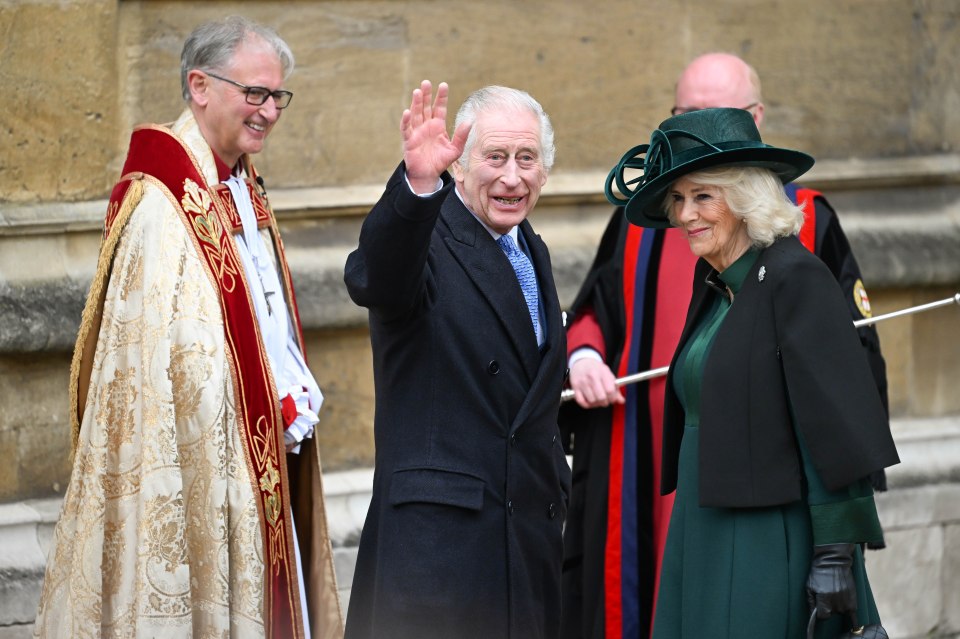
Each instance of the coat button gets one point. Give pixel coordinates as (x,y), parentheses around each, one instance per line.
(552,511)
(510,506)
(513,439)
(493,367)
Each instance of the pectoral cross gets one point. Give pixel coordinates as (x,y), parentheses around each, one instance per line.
(266,293)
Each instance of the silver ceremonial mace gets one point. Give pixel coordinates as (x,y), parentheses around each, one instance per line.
(867,321)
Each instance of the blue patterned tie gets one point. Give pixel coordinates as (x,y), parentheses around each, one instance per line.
(526,275)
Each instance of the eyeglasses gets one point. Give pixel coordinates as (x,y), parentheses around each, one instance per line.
(258,95)
(681,110)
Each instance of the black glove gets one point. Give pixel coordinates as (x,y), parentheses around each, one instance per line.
(830,585)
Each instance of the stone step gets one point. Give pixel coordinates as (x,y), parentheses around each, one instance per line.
(916,579)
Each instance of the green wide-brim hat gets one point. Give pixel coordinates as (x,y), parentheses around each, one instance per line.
(692,142)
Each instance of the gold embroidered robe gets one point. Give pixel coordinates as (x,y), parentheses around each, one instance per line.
(162,532)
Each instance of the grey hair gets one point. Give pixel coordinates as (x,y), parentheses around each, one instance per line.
(497,97)
(210,46)
(754,195)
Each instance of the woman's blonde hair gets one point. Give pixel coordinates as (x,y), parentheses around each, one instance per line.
(754,195)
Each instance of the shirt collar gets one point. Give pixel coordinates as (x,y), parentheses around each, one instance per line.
(731,280)
(223,171)
(496,236)
(736,273)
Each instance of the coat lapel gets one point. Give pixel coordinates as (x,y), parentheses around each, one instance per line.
(695,310)
(549,379)
(488,267)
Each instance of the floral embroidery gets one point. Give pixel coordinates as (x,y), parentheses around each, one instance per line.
(115,408)
(198,205)
(190,368)
(164,523)
(197,201)
(268,484)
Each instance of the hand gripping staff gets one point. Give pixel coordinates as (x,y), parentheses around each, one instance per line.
(659,372)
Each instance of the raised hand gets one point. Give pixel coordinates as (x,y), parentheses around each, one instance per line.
(427,149)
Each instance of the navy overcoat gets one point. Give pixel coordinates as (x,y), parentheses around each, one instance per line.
(463,535)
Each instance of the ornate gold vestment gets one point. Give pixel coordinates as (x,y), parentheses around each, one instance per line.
(178,517)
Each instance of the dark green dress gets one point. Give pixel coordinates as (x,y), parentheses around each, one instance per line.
(732,573)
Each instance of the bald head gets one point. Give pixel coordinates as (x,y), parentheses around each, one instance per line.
(719,80)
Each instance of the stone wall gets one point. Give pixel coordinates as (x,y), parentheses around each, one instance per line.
(842,79)
(58,67)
